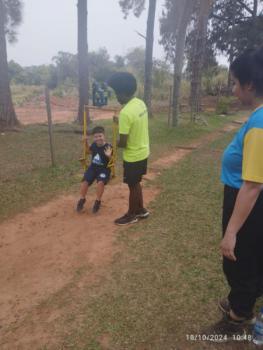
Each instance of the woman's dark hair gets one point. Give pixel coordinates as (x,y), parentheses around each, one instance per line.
(98,130)
(248,68)
(123,83)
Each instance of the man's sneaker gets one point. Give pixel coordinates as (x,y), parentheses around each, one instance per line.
(96,206)
(142,214)
(126,220)
(80,204)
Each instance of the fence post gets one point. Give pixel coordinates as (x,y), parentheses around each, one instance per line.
(50,129)
(170,105)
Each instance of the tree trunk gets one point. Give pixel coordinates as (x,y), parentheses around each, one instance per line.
(8,117)
(255,9)
(255,16)
(231,43)
(204,7)
(83,67)
(149,56)
(229,78)
(183,19)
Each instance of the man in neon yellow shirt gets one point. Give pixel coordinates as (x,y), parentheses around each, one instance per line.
(134,139)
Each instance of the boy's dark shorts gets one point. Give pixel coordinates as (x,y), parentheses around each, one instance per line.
(134,171)
(96,173)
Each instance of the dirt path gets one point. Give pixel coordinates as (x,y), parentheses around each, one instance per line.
(42,251)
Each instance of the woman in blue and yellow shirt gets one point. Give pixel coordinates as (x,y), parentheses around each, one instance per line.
(242,175)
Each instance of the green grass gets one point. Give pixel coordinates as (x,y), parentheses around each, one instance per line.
(162,137)
(26,178)
(168,278)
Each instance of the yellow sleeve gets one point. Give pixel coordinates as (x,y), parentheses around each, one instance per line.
(252,166)
(124,124)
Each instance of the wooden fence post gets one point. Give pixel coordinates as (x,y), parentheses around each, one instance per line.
(50,131)
(170,105)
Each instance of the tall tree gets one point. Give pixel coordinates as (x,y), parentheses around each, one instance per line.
(83,66)
(198,53)
(66,66)
(174,23)
(148,74)
(137,6)
(135,59)
(10,18)
(236,25)
(100,65)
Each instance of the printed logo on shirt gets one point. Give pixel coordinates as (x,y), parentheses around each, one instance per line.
(143,113)
(97,160)
(102,176)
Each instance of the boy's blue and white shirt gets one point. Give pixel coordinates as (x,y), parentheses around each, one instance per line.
(98,157)
(243,158)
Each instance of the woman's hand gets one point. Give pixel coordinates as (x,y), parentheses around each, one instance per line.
(108,151)
(246,199)
(227,246)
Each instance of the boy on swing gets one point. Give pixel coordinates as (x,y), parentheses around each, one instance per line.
(134,139)
(101,152)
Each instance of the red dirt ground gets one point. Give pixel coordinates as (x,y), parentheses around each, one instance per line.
(64,109)
(42,250)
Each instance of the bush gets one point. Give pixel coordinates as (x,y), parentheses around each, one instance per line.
(223,105)
(214,83)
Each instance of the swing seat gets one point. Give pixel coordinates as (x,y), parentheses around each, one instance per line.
(84,161)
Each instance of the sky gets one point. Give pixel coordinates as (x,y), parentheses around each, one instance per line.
(50,26)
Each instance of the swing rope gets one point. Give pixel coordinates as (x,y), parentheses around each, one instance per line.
(86,150)
(113,160)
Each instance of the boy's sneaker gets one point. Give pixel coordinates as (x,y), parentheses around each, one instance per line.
(126,219)
(96,206)
(142,214)
(80,204)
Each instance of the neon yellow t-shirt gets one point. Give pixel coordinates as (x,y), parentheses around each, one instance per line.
(133,121)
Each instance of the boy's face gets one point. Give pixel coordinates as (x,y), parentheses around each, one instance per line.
(99,139)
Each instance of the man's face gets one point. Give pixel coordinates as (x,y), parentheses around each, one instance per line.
(122,99)
(99,139)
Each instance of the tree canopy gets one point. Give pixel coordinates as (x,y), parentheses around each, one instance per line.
(236,25)
(136,6)
(13,17)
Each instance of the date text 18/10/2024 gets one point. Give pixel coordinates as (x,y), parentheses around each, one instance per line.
(218,337)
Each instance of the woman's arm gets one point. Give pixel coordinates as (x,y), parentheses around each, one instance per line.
(245,202)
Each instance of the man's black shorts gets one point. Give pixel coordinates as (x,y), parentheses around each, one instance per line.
(100,174)
(134,171)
